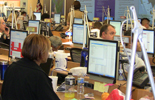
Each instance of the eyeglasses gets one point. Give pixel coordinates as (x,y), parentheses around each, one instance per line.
(3,23)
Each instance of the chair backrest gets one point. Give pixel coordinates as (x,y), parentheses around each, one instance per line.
(75,54)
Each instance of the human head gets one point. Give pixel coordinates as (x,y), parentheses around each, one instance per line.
(107,32)
(97,25)
(55,42)
(36,48)
(2,24)
(45,15)
(34,17)
(145,22)
(77,5)
(23,13)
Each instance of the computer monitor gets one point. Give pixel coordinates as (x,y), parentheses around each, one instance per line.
(102,60)
(117,25)
(126,39)
(78,33)
(38,15)
(57,18)
(78,21)
(148,40)
(17,38)
(35,23)
(110,18)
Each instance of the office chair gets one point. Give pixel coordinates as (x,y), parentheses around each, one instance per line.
(76,54)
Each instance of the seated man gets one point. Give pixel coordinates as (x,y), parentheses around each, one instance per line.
(107,32)
(4,32)
(145,23)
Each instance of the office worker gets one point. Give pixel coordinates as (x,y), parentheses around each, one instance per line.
(55,42)
(145,23)
(107,32)
(44,16)
(96,29)
(20,20)
(77,12)
(4,32)
(24,79)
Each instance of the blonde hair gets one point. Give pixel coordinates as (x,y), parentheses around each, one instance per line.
(35,46)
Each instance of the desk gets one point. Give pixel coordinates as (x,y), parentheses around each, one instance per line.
(136,94)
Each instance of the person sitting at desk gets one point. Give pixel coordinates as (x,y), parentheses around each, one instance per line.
(4,32)
(107,32)
(145,23)
(44,16)
(77,12)
(95,31)
(24,79)
(55,42)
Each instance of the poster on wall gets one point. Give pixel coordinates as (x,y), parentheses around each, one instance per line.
(57,7)
(99,4)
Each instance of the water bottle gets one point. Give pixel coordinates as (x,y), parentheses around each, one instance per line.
(80,85)
(3,67)
(69,86)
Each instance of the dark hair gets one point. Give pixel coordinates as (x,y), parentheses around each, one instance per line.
(104,28)
(77,5)
(45,15)
(97,24)
(35,46)
(144,19)
(22,13)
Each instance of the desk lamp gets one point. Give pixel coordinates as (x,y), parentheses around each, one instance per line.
(103,11)
(30,12)
(128,17)
(137,30)
(108,14)
(153,17)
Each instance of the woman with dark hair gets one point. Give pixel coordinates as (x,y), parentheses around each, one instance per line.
(77,12)
(24,79)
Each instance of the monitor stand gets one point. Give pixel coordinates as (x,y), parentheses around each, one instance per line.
(102,79)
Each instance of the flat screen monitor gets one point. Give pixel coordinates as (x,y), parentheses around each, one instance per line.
(102,60)
(78,33)
(117,25)
(35,23)
(17,38)
(110,18)
(57,18)
(78,21)
(148,40)
(38,15)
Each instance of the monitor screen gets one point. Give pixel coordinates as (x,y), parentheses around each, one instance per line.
(38,15)
(57,18)
(17,38)
(78,33)
(110,18)
(102,58)
(117,25)
(35,23)
(78,21)
(148,40)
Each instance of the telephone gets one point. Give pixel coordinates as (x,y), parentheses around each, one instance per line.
(140,78)
(57,28)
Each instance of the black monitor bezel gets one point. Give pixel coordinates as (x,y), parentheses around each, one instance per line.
(86,35)
(78,23)
(116,62)
(37,12)
(39,24)
(153,42)
(10,38)
(59,19)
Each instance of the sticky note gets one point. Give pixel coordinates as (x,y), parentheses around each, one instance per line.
(102,87)
(96,86)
